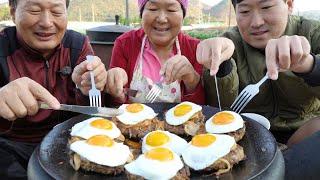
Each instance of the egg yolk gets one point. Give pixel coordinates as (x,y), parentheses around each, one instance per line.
(157,138)
(100,140)
(102,124)
(222,118)
(182,109)
(203,140)
(134,108)
(160,154)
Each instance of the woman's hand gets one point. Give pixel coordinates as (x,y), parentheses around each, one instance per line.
(81,75)
(212,52)
(117,78)
(288,53)
(179,68)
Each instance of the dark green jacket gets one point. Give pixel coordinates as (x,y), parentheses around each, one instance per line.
(287,102)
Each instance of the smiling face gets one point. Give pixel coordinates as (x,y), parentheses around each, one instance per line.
(261,20)
(41,23)
(162,21)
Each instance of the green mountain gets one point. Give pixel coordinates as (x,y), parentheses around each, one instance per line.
(311,14)
(223,11)
(105,11)
(100,10)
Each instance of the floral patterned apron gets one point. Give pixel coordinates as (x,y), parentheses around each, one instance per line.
(169,92)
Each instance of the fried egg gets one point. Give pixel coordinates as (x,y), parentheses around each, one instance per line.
(166,139)
(135,113)
(224,122)
(102,150)
(181,113)
(95,126)
(157,163)
(204,149)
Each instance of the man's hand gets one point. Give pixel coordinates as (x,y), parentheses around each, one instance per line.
(288,53)
(212,52)
(117,78)
(81,75)
(20,97)
(179,68)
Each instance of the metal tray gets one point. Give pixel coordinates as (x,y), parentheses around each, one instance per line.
(258,143)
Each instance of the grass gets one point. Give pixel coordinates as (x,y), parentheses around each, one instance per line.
(205,33)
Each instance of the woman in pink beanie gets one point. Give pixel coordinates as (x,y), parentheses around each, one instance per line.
(159,53)
(184,4)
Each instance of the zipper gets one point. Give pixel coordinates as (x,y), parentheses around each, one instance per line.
(47,84)
(275,111)
(47,66)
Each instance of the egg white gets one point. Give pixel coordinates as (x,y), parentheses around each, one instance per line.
(116,155)
(178,120)
(199,158)
(215,128)
(85,130)
(154,169)
(134,118)
(176,143)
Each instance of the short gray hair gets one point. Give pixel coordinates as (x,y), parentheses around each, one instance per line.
(13,3)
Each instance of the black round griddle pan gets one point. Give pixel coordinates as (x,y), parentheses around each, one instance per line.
(258,143)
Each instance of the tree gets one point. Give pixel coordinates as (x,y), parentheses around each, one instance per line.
(4,13)
(105,10)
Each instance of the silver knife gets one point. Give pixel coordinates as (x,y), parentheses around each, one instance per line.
(218,95)
(94,111)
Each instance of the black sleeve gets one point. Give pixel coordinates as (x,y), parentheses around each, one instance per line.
(224,69)
(312,78)
(4,71)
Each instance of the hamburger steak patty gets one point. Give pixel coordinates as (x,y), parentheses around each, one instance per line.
(195,125)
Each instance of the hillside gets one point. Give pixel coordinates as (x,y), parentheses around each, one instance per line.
(220,12)
(105,11)
(100,10)
(311,14)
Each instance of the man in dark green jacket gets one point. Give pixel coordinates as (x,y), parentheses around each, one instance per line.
(269,39)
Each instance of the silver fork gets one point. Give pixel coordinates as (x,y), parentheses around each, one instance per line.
(94,93)
(246,95)
(154,91)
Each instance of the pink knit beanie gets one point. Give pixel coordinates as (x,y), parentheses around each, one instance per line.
(184,4)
